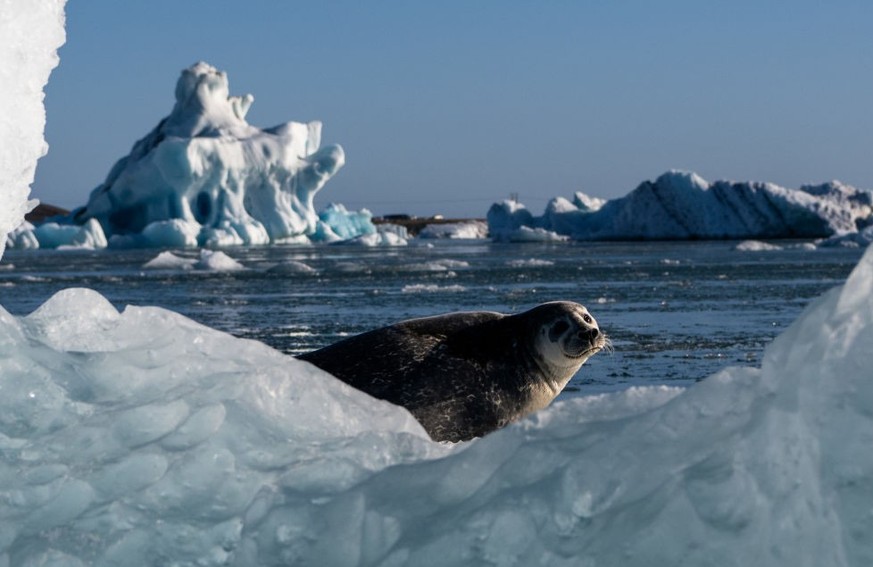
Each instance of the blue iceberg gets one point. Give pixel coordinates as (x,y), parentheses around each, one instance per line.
(683,206)
(205,177)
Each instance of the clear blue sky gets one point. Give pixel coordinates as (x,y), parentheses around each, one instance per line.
(446,107)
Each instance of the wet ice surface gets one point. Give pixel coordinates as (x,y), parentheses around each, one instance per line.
(676,312)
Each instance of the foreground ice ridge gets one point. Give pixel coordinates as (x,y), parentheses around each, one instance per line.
(681,205)
(143,438)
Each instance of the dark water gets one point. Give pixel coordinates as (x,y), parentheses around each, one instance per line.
(676,312)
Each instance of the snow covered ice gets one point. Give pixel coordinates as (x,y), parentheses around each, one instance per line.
(681,205)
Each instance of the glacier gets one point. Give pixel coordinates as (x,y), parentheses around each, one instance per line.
(681,205)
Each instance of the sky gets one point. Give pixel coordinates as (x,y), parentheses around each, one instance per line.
(447,107)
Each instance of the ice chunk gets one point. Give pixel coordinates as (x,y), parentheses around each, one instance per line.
(174,233)
(756,246)
(216,260)
(30,34)
(456,230)
(168,261)
(210,260)
(338,223)
(529,263)
(433,288)
(292,267)
(23,237)
(55,235)
(385,235)
(860,239)
(527,234)
(587,203)
(142,425)
(507,217)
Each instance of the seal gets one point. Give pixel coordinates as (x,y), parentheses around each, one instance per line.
(465,374)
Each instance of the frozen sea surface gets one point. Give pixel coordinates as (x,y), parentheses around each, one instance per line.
(676,312)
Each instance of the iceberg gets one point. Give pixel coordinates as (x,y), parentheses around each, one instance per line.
(205,177)
(53,234)
(681,205)
(861,239)
(205,167)
(30,35)
(455,230)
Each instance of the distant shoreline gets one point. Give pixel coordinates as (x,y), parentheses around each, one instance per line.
(414,225)
(44,211)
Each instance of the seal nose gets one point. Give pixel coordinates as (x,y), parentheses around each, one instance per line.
(588,334)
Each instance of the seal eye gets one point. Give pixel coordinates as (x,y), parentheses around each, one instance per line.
(587,318)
